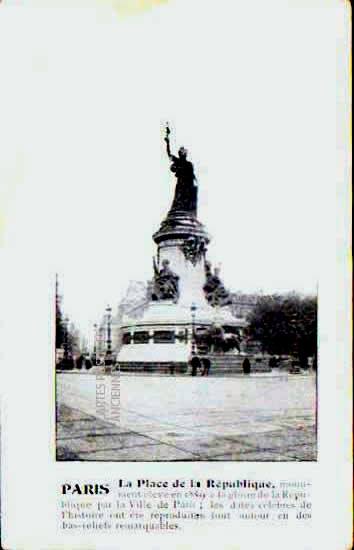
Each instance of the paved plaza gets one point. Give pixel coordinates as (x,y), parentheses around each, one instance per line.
(269,417)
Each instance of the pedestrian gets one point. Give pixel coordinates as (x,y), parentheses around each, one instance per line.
(206,366)
(314,362)
(195,364)
(246,365)
(172,369)
(88,363)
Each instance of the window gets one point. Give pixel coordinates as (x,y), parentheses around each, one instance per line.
(164,337)
(127,338)
(141,337)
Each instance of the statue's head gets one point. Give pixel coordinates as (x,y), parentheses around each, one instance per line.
(165,263)
(182,153)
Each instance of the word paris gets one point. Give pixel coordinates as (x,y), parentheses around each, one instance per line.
(105,488)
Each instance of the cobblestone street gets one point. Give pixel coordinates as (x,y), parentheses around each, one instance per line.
(255,418)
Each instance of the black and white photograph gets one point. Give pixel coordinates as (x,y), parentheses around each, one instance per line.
(184,367)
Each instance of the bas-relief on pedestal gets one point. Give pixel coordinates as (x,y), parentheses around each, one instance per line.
(182,277)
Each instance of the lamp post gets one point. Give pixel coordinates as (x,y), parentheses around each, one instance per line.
(193,310)
(108,358)
(95,344)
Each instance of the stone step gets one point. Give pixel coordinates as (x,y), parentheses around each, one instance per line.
(219,365)
(153,366)
(234,363)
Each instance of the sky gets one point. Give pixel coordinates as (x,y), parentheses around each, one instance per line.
(248,89)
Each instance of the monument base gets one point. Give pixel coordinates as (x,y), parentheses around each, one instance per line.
(164,334)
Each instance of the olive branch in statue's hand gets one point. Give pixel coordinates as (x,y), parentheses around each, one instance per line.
(167,140)
(168,131)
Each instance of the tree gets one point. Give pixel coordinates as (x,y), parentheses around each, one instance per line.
(59,327)
(285,325)
(73,340)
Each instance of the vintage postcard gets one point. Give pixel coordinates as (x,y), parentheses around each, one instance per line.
(176,302)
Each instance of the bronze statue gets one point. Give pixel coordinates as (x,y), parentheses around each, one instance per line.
(214,290)
(165,286)
(185,199)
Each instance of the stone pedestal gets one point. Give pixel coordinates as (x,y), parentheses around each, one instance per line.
(164,334)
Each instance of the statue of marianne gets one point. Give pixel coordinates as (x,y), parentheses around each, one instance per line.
(185,198)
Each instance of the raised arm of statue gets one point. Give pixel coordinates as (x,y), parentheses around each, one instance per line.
(167,140)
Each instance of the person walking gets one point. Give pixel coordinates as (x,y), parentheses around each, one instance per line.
(195,364)
(206,366)
(246,365)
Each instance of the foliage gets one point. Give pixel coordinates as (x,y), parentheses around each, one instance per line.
(59,327)
(285,325)
(67,338)
(73,340)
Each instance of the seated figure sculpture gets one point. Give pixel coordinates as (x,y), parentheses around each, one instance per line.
(165,284)
(214,290)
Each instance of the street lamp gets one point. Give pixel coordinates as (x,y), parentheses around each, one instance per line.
(95,343)
(108,358)
(193,310)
